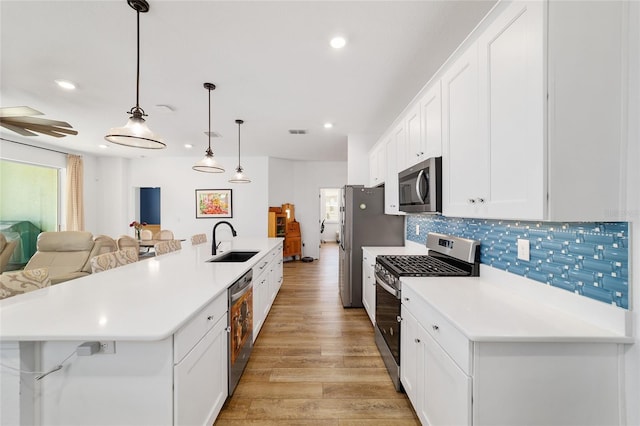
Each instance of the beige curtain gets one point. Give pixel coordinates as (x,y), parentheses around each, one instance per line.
(75,201)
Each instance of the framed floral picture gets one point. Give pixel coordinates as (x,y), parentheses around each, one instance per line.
(213,203)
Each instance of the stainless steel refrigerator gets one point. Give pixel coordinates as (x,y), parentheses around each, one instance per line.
(363,224)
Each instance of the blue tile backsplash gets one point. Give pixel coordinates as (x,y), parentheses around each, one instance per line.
(590,259)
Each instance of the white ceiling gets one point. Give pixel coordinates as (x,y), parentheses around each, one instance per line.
(270,60)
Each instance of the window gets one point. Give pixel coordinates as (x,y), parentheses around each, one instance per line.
(29,197)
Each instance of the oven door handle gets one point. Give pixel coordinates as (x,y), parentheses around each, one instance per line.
(237,295)
(388,288)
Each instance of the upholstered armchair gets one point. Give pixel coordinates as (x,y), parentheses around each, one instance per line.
(103,262)
(198,239)
(163,234)
(6,250)
(165,247)
(18,282)
(66,254)
(125,241)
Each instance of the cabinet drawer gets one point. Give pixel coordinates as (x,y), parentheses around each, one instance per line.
(455,344)
(191,333)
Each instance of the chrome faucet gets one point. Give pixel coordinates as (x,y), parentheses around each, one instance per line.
(214,246)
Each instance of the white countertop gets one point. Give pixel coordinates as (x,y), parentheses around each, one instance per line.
(484,312)
(146,300)
(501,307)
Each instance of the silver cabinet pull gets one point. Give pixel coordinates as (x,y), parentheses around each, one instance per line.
(417,340)
(472,201)
(435,327)
(406,299)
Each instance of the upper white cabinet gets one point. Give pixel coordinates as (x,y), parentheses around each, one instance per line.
(526,139)
(414,148)
(391,205)
(377,165)
(465,156)
(430,123)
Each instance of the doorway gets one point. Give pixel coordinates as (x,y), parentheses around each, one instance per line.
(329,217)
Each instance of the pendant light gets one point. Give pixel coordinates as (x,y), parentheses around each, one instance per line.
(136,133)
(239,177)
(208,164)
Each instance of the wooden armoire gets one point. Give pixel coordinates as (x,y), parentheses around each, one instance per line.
(282,223)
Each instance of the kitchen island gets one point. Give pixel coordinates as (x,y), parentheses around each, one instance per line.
(155,319)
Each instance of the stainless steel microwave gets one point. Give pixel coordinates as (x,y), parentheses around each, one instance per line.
(420,187)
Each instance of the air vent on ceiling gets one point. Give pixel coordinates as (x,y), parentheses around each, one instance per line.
(213,134)
(297,131)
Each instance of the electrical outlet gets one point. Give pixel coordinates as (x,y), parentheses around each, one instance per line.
(107,347)
(417,229)
(523,249)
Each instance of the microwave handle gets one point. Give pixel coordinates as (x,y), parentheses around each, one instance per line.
(418,181)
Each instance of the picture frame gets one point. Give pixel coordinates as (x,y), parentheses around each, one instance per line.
(213,203)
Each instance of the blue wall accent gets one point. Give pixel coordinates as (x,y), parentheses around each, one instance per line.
(590,259)
(150,205)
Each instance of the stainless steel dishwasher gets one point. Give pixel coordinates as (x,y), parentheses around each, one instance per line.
(240,327)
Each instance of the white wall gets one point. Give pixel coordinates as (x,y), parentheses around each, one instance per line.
(178,183)
(358,146)
(632,359)
(281,180)
(309,178)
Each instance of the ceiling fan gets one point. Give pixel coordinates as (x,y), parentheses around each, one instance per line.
(21,120)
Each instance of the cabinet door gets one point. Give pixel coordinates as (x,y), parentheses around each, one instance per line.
(368,285)
(415,149)
(431,122)
(391,205)
(402,149)
(446,397)
(411,355)
(260,298)
(373,168)
(200,379)
(511,69)
(466,153)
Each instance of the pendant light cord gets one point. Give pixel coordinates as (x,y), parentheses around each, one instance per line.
(209,119)
(138,63)
(239,166)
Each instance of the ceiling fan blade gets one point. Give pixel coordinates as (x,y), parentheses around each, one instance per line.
(36,120)
(16,129)
(18,111)
(40,128)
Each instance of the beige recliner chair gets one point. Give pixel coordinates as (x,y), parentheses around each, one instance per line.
(6,250)
(65,254)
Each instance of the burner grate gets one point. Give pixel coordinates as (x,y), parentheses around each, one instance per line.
(423,266)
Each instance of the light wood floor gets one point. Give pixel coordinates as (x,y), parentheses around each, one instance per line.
(315,363)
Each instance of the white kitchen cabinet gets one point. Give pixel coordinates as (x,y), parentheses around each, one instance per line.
(369,285)
(377,165)
(504,377)
(465,151)
(200,379)
(431,122)
(399,135)
(261,295)
(438,389)
(391,200)
(522,135)
(414,147)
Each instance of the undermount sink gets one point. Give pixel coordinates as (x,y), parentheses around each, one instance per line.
(234,256)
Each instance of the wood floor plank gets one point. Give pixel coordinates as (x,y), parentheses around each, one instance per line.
(315,363)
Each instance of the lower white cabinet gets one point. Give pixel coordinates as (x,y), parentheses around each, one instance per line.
(438,389)
(451,380)
(267,280)
(200,379)
(369,285)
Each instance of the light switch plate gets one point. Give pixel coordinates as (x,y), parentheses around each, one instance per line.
(523,249)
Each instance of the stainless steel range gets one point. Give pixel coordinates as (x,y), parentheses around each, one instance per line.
(447,256)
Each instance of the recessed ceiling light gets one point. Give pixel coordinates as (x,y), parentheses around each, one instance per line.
(65,84)
(188,145)
(338,42)
(102,146)
(328,125)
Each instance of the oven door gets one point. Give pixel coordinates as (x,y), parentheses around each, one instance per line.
(387,315)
